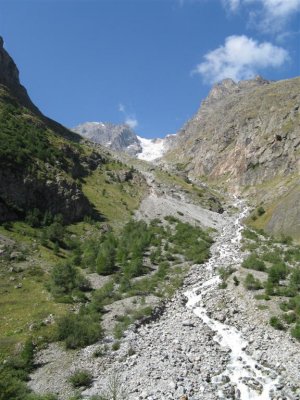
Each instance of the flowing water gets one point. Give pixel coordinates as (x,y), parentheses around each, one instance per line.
(251,380)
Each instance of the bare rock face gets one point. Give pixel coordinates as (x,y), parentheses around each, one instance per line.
(115,137)
(244,135)
(248,132)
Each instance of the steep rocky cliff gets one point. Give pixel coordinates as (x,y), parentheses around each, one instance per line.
(246,136)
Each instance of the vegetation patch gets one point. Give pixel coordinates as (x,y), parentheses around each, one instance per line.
(278,260)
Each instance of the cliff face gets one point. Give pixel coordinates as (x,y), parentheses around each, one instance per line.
(247,137)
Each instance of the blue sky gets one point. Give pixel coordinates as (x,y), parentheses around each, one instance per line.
(147,62)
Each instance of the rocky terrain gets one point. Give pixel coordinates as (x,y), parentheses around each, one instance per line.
(246,137)
(208,342)
(118,255)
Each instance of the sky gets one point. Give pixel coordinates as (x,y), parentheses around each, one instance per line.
(147,63)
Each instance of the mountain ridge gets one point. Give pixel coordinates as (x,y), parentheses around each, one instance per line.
(247,141)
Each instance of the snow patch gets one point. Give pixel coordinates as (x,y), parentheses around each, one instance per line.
(151,148)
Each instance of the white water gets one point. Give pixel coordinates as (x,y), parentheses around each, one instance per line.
(242,368)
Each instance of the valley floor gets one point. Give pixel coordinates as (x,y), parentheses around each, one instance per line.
(209,343)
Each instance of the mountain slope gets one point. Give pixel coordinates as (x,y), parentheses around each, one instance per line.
(40,160)
(246,137)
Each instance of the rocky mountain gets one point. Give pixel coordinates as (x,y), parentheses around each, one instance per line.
(246,137)
(122,138)
(41,161)
(113,136)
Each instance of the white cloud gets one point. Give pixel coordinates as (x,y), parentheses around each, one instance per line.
(131,122)
(232,5)
(273,15)
(240,58)
(267,15)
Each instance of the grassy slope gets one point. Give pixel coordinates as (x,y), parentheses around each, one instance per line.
(18,309)
(114,200)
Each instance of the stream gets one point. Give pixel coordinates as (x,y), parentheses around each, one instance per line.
(251,380)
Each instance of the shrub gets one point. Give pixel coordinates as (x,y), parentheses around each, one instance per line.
(81,378)
(106,258)
(100,351)
(33,218)
(277,272)
(102,296)
(276,323)
(236,281)
(286,239)
(15,372)
(296,331)
(295,278)
(65,278)
(56,232)
(79,330)
(253,262)
(116,345)
(249,234)
(272,256)
(289,317)
(252,283)
(260,211)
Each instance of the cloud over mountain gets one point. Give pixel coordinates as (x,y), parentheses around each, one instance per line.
(239,58)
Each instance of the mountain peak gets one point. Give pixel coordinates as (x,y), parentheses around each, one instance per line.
(228,86)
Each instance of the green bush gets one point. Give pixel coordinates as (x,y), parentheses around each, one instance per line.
(102,297)
(15,373)
(253,262)
(277,272)
(33,218)
(81,378)
(65,278)
(106,257)
(276,323)
(296,331)
(116,345)
(79,330)
(252,283)
(289,317)
(295,278)
(250,234)
(272,256)
(260,211)
(56,232)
